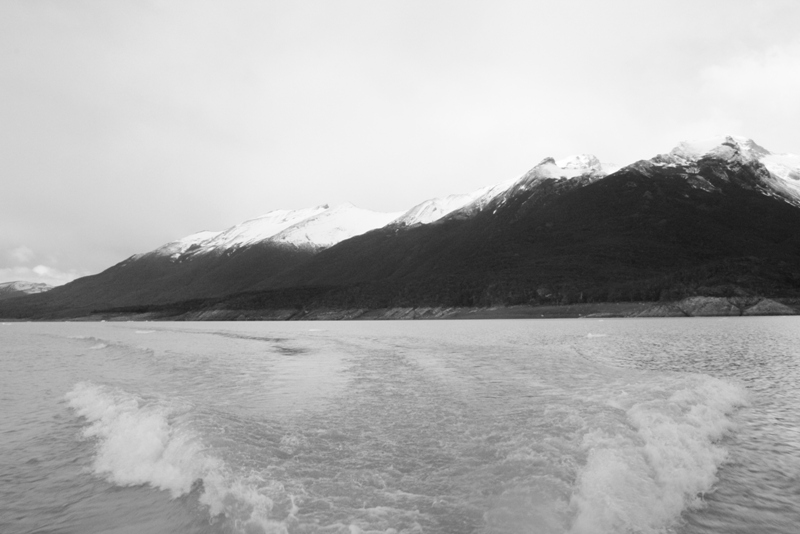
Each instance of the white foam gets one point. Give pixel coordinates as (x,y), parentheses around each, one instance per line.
(138,444)
(641,475)
(150,443)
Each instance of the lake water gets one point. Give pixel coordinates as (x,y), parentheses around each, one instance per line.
(546,426)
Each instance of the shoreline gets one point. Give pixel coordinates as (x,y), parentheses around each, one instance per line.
(689,307)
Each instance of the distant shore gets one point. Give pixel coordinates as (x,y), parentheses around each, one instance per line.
(689,307)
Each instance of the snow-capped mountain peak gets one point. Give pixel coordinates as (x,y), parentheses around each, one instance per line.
(784,166)
(433,209)
(727,147)
(323,226)
(260,228)
(318,227)
(333,225)
(569,167)
(783,169)
(580,161)
(437,208)
(175,249)
(19,288)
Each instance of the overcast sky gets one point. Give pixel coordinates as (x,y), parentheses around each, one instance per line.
(128,124)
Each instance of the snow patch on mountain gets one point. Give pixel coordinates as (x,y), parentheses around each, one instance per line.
(784,166)
(784,169)
(317,227)
(175,249)
(255,230)
(333,225)
(587,163)
(721,147)
(324,226)
(565,168)
(433,209)
(436,208)
(569,167)
(20,287)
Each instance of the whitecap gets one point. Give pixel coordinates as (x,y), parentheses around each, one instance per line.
(641,476)
(140,442)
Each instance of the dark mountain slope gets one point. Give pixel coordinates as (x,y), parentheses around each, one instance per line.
(645,232)
(410,253)
(654,230)
(157,279)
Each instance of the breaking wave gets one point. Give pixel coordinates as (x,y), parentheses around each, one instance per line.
(149,442)
(646,456)
(641,475)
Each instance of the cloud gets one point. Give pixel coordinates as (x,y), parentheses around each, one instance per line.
(39,273)
(22,254)
(753,94)
(767,80)
(201,114)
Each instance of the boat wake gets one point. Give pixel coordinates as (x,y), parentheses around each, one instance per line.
(150,442)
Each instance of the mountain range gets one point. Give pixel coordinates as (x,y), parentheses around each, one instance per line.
(716,218)
(20,288)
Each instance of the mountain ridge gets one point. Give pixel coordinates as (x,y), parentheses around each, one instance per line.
(20,288)
(706,217)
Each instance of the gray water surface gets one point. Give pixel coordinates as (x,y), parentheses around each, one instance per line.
(549,426)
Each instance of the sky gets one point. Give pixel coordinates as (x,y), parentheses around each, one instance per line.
(125,125)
